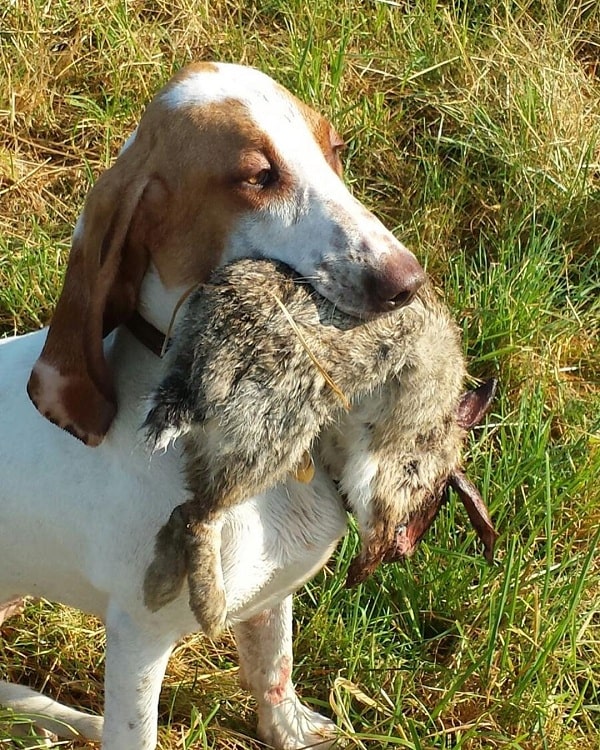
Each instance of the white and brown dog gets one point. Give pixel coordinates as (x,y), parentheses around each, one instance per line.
(225,163)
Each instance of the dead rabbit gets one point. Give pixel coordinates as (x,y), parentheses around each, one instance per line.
(265,376)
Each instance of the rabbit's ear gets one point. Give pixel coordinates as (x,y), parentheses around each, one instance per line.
(476,510)
(474,405)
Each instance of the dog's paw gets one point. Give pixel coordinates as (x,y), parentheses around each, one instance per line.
(290,726)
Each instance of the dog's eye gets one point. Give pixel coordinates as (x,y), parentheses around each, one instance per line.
(261,179)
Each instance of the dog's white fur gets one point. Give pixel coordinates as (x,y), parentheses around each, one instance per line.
(78,523)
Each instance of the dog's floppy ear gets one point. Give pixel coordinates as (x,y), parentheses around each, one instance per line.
(71,383)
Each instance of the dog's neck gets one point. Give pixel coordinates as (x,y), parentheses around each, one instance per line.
(147,334)
(157,304)
(158,311)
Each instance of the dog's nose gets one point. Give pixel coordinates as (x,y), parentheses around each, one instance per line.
(396,282)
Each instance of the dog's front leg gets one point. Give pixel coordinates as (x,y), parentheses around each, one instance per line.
(136,659)
(265,649)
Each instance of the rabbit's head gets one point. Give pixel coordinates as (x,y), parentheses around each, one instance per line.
(396,492)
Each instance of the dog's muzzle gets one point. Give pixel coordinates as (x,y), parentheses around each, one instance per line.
(395,283)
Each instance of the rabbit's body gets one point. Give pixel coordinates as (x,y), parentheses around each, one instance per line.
(264,370)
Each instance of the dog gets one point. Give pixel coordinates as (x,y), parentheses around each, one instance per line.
(264,372)
(224,164)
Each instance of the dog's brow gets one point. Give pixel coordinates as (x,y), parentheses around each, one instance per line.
(267,104)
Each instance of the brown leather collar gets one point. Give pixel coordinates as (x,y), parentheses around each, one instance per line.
(146,334)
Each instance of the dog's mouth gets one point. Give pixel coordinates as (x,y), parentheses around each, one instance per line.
(355,287)
(405,537)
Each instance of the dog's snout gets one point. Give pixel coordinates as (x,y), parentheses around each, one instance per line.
(396,282)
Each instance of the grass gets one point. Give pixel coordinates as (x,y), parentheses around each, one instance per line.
(474,132)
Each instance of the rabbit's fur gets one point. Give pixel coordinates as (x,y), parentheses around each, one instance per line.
(247,391)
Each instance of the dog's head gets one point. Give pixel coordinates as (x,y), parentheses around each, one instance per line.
(225,163)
